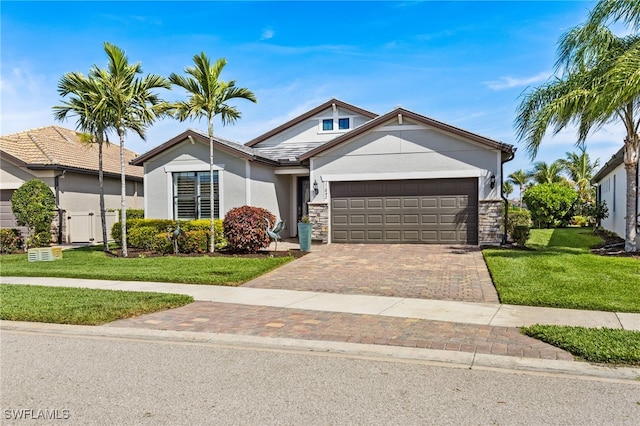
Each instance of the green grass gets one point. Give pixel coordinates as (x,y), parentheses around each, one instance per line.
(92,263)
(561,272)
(64,305)
(603,345)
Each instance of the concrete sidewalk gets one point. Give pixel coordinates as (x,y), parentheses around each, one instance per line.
(491,314)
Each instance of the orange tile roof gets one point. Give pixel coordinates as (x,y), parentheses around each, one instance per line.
(57,146)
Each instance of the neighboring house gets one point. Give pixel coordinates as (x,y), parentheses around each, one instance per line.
(60,158)
(611,181)
(361,178)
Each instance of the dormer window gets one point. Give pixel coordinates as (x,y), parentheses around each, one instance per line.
(335,124)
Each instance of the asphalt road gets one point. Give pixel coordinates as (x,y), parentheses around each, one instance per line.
(110,381)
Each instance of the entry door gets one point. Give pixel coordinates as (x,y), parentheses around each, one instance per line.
(304,196)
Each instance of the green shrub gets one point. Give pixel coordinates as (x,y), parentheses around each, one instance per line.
(518,217)
(521,234)
(580,221)
(550,204)
(142,237)
(205,225)
(162,244)
(195,242)
(11,240)
(245,228)
(161,225)
(131,214)
(34,206)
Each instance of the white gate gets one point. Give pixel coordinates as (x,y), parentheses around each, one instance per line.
(86,227)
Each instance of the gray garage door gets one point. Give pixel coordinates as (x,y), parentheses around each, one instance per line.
(436,211)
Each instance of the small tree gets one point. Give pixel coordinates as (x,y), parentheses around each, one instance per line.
(34,206)
(550,203)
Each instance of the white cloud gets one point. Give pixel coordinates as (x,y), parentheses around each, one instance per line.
(511,82)
(267,34)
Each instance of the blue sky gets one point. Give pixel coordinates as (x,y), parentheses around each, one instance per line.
(464,63)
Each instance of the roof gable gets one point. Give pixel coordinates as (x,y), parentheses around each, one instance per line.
(400,114)
(233,148)
(57,147)
(289,124)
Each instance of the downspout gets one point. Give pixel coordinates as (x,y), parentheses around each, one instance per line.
(504,198)
(56,184)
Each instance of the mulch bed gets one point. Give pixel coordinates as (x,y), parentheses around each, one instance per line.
(612,246)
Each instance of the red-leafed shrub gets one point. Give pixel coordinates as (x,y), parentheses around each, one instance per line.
(245,228)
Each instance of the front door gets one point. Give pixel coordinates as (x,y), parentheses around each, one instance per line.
(304,196)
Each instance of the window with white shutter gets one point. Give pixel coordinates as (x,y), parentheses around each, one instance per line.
(191,195)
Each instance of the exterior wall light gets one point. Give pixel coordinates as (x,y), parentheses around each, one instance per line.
(492,181)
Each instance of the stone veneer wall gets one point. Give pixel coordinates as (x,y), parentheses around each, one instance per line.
(490,222)
(319,217)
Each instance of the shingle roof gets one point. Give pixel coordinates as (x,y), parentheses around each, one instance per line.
(55,146)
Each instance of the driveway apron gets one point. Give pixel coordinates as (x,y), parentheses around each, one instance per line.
(419,271)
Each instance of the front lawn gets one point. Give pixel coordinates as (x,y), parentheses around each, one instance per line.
(558,270)
(63,305)
(604,345)
(92,263)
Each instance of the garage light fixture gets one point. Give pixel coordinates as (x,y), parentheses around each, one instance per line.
(492,181)
(315,187)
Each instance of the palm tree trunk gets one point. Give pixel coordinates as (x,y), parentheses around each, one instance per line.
(211,195)
(123,195)
(103,219)
(631,167)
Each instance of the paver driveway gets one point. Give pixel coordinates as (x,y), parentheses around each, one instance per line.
(400,270)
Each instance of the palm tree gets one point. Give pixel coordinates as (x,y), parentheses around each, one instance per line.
(581,170)
(507,188)
(128,103)
(83,99)
(548,173)
(597,83)
(520,178)
(208,97)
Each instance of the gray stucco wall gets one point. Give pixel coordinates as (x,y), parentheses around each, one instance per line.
(192,157)
(403,154)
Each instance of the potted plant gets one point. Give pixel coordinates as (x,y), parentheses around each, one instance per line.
(304,233)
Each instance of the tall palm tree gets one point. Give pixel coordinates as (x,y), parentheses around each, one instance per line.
(83,98)
(507,188)
(597,82)
(128,103)
(548,173)
(520,178)
(208,97)
(581,170)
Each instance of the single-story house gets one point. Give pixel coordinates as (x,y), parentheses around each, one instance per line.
(61,159)
(611,183)
(360,177)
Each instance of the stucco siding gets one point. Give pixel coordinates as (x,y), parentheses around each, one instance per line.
(309,134)
(403,153)
(613,191)
(80,193)
(270,191)
(192,157)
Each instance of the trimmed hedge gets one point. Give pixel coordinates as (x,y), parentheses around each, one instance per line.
(518,217)
(153,235)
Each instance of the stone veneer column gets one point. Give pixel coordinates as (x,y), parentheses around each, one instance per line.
(490,222)
(319,217)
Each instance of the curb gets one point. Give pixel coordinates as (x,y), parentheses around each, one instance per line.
(468,360)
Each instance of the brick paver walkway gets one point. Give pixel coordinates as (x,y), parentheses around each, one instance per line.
(266,321)
(419,271)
